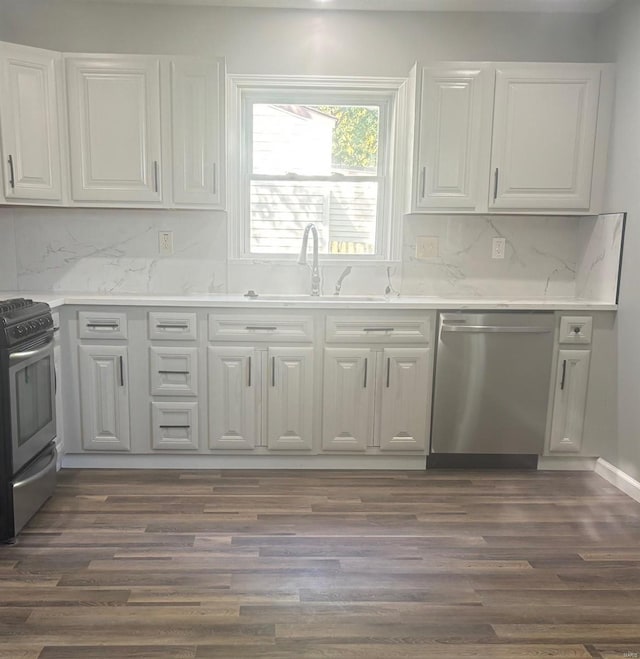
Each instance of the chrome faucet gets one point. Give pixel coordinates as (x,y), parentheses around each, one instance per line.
(302,260)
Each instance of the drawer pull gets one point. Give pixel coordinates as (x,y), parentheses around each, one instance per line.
(388,370)
(366,365)
(178,372)
(121,359)
(378,329)
(174,427)
(103,325)
(249,378)
(258,328)
(273,371)
(12,179)
(172,326)
(564,374)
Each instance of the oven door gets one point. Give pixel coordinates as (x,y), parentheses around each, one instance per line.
(32,391)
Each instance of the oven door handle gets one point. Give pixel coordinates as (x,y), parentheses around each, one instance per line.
(52,457)
(28,354)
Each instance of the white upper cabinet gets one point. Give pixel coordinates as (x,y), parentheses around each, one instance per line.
(114,128)
(528,137)
(453,137)
(29,119)
(544,135)
(197,101)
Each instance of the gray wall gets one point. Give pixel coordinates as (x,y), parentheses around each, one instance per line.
(619,40)
(298,41)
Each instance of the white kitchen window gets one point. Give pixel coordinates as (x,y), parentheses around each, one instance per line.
(315,150)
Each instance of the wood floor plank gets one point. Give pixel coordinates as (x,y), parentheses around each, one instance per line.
(159,564)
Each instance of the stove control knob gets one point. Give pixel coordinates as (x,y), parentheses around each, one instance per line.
(33,326)
(19,331)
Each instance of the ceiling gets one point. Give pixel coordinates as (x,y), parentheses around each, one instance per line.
(576,6)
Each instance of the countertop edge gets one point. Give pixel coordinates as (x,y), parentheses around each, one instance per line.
(57,300)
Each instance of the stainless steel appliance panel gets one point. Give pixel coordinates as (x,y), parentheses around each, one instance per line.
(32,487)
(32,400)
(492,382)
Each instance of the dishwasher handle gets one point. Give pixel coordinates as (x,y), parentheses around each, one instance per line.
(496,329)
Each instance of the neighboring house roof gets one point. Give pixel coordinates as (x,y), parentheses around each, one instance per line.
(303,112)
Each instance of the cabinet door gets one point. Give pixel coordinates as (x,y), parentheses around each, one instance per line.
(544,137)
(405,399)
(455,125)
(114,128)
(104,398)
(30,135)
(570,400)
(197,89)
(347,412)
(233,385)
(290,398)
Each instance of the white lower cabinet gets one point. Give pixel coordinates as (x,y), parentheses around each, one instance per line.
(104,398)
(572,379)
(290,398)
(175,426)
(233,396)
(251,389)
(406,399)
(377,394)
(348,395)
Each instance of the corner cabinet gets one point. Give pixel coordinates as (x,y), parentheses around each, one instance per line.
(197,102)
(507,137)
(30,124)
(114,128)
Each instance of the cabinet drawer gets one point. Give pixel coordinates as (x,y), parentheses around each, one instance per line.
(268,328)
(170,326)
(174,426)
(174,371)
(102,325)
(378,329)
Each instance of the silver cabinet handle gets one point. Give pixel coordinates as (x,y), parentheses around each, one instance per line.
(174,426)
(121,371)
(423,182)
(366,367)
(107,325)
(214,186)
(378,329)
(257,328)
(12,180)
(495,185)
(249,378)
(564,374)
(388,370)
(177,372)
(156,185)
(171,326)
(273,371)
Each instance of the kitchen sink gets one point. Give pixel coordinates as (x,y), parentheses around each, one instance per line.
(316,298)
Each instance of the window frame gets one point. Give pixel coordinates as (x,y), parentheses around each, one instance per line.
(395,134)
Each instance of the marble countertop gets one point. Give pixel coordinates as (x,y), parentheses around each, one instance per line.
(275,301)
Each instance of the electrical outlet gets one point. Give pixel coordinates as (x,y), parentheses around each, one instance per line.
(498,248)
(165,243)
(426,247)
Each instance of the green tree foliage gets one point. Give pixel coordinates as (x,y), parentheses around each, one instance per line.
(355,138)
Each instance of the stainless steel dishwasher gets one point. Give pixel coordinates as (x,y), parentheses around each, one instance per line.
(492,383)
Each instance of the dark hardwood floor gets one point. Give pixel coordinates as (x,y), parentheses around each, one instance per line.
(175,564)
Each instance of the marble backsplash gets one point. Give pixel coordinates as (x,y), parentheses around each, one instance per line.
(116,251)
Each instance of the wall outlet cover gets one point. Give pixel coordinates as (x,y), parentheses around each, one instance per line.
(498,248)
(427,247)
(165,243)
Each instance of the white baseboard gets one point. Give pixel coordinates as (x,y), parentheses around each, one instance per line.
(566,463)
(618,478)
(111,461)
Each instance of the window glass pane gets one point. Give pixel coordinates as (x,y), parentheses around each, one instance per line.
(315,140)
(344,214)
